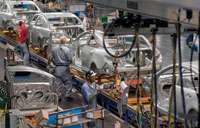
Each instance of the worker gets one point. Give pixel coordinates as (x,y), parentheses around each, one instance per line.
(61,57)
(51,4)
(22,34)
(39,4)
(89,15)
(89,93)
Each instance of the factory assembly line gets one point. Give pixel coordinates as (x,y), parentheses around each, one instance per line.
(135,86)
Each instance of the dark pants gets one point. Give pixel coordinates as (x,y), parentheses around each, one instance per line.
(63,77)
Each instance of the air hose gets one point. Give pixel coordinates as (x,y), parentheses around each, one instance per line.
(3,91)
(173,92)
(154,84)
(138,91)
(104,45)
(180,66)
(191,58)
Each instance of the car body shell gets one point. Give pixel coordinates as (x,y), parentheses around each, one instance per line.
(90,54)
(30,88)
(11,18)
(43,33)
(164,84)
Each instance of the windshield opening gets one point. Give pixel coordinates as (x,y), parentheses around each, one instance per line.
(125,40)
(63,21)
(23,7)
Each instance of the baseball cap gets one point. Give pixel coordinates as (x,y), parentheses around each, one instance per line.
(90,73)
(21,22)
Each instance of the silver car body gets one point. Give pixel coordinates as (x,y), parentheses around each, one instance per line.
(14,11)
(164,84)
(89,54)
(48,27)
(30,88)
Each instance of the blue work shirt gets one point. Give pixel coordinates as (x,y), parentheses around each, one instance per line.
(87,90)
(60,55)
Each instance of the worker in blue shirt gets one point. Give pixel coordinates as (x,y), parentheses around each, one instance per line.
(89,93)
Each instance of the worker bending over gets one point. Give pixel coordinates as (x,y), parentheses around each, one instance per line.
(61,57)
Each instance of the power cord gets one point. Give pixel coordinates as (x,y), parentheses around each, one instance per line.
(180,66)
(173,92)
(154,84)
(104,45)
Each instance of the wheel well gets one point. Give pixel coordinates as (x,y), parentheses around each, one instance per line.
(191,110)
(93,66)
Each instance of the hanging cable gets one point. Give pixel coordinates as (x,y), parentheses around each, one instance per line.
(199,75)
(105,34)
(191,59)
(152,93)
(180,66)
(138,91)
(173,91)
(155,79)
(154,84)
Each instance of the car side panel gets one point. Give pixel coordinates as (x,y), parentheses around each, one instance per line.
(86,56)
(35,35)
(98,59)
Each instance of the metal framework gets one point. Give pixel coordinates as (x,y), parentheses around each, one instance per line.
(161,9)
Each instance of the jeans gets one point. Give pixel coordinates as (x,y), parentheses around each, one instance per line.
(24,52)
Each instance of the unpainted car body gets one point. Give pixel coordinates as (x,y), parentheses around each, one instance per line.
(89,54)
(30,88)
(13,11)
(47,28)
(164,86)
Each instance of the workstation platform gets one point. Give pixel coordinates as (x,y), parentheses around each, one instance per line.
(109,119)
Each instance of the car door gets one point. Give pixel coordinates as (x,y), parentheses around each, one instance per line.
(88,52)
(5,14)
(45,32)
(40,31)
(191,100)
(80,43)
(32,24)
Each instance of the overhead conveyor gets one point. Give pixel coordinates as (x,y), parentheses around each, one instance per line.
(155,13)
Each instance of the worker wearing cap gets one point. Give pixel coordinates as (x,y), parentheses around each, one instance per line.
(61,57)
(89,94)
(22,34)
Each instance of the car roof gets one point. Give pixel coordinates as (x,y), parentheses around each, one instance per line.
(195,64)
(19,2)
(27,69)
(59,14)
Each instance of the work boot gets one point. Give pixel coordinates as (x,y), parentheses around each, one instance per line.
(59,99)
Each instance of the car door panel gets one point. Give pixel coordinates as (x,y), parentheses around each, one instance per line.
(86,56)
(80,44)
